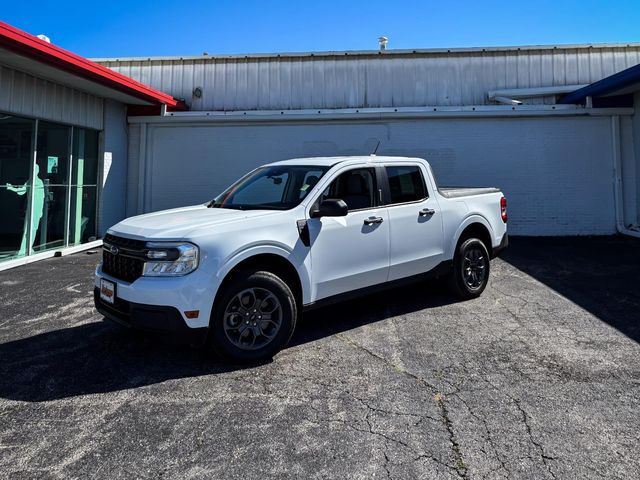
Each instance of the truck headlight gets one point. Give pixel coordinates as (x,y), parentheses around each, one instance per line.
(170,259)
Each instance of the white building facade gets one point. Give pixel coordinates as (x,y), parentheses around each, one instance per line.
(485,117)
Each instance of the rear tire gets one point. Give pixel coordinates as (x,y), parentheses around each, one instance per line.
(254,317)
(471,266)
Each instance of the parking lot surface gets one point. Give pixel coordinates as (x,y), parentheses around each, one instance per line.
(539,378)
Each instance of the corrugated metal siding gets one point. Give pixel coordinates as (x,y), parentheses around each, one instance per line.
(369,81)
(23,94)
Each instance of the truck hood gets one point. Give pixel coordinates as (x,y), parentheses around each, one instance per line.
(177,223)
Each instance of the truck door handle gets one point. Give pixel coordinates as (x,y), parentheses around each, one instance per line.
(426,211)
(372,220)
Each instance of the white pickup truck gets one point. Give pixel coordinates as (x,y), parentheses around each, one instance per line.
(292,235)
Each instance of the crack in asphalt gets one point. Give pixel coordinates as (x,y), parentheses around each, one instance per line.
(386,464)
(460,467)
(420,416)
(543,455)
(322,417)
(525,420)
(488,437)
(386,438)
(394,366)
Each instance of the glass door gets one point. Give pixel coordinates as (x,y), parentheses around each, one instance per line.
(16,157)
(51,185)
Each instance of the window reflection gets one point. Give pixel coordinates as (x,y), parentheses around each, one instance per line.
(50,203)
(50,187)
(82,219)
(16,136)
(84,179)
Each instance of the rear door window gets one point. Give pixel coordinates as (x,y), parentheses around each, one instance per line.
(406,184)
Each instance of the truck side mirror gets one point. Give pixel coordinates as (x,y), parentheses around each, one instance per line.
(330,207)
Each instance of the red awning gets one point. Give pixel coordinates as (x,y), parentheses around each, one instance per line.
(32,47)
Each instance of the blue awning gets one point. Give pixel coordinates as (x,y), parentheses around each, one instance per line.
(622,83)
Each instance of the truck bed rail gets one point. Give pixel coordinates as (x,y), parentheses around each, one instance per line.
(457,192)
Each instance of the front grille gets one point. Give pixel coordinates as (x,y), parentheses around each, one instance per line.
(124,242)
(122,266)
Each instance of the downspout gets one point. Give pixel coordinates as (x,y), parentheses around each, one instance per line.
(509,96)
(617,179)
(506,100)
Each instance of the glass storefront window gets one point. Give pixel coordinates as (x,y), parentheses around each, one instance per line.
(84,180)
(16,139)
(82,218)
(85,157)
(51,184)
(49,203)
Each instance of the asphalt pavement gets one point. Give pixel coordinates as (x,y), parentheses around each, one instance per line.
(539,378)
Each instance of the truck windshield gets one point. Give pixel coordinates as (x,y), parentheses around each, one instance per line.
(278,187)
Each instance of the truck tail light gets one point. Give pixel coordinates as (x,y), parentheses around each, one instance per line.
(503,209)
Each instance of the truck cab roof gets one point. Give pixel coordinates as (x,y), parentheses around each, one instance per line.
(331,161)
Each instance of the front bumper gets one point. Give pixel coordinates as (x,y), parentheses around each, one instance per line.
(151,318)
(195,291)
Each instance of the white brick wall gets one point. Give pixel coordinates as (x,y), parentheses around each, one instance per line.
(555,171)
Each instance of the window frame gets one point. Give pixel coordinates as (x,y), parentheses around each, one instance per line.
(378,188)
(387,189)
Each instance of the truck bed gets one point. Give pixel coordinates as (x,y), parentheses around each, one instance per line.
(457,192)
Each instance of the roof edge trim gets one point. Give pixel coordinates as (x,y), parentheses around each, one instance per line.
(32,47)
(371,53)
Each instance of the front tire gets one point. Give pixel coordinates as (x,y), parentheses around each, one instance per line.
(470,273)
(254,317)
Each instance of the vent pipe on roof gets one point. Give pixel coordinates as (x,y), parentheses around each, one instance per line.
(42,36)
(382,41)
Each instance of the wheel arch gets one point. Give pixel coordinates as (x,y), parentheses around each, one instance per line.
(272,261)
(474,227)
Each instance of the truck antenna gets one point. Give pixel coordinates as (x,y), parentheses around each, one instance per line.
(376,149)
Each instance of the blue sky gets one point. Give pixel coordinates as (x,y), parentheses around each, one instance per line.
(159,27)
